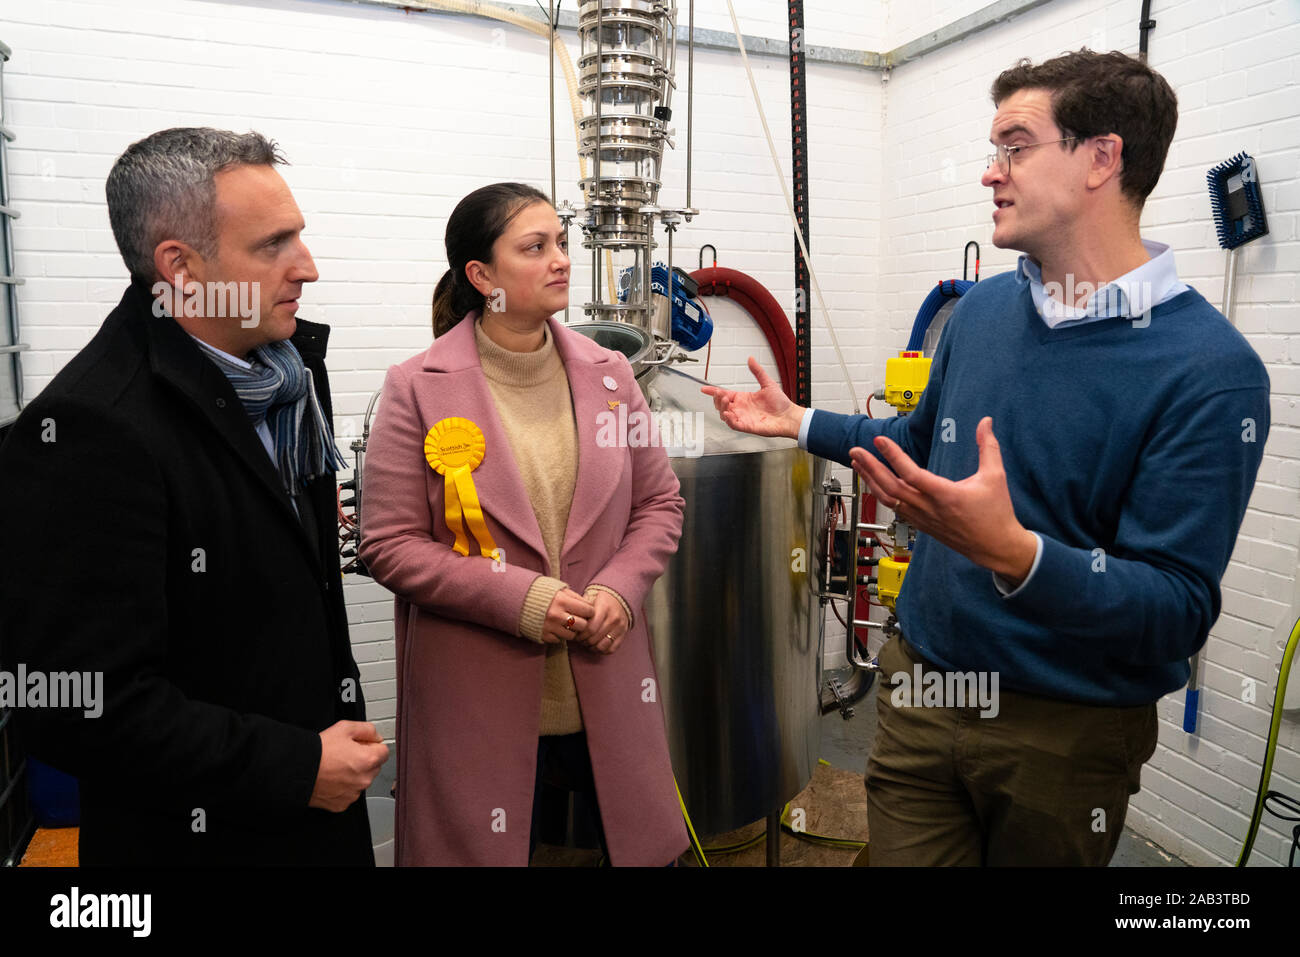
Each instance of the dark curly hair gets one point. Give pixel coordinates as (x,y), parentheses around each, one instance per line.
(1098,93)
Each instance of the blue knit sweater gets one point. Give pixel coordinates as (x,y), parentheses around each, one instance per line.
(1130,449)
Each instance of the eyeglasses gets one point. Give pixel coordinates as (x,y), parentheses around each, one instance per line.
(1003,156)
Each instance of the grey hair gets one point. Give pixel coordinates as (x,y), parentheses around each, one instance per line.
(162,188)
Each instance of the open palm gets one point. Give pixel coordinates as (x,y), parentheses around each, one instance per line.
(768,411)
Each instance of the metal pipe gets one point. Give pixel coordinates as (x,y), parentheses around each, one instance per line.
(671,85)
(9,288)
(370,411)
(671,228)
(851,636)
(673,349)
(1230,286)
(600,132)
(550,14)
(850,648)
(690,97)
(648,266)
(566,246)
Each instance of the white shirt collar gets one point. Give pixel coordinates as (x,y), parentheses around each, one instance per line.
(1132,295)
(242,363)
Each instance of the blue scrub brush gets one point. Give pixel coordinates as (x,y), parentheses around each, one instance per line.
(1237,203)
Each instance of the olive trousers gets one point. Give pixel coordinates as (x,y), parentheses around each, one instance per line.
(1041,782)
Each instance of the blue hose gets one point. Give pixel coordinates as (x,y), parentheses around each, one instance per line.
(940,294)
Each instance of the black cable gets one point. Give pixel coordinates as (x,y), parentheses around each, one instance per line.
(1291,805)
(1145,26)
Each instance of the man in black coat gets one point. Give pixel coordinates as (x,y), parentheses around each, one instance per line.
(170,502)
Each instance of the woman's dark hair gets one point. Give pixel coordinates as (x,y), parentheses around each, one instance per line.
(472,229)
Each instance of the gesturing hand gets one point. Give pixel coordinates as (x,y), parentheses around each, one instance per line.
(765,412)
(567,616)
(604,633)
(973,517)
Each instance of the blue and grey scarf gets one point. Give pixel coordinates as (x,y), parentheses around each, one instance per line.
(279,389)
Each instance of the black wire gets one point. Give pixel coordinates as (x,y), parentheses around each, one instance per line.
(1291,805)
(1145,26)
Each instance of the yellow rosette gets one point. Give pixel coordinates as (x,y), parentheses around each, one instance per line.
(454,448)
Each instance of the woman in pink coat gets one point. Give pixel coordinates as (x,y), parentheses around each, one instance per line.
(520,549)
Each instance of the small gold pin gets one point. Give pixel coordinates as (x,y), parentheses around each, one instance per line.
(612,403)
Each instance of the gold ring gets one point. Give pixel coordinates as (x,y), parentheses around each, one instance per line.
(610,637)
(568,623)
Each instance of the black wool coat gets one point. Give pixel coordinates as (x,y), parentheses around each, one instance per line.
(148,537)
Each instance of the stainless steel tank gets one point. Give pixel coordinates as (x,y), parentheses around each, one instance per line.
(734,618)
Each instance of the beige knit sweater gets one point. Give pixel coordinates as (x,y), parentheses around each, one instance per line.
(532,398)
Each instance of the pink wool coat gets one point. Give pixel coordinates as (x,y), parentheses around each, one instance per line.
(469,687)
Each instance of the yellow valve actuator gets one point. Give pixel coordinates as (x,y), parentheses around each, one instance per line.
(889,580)
(905,379)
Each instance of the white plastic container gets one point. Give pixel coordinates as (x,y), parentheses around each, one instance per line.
(382,812)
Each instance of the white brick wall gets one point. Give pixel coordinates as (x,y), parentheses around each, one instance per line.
(1235,68)
(390,117)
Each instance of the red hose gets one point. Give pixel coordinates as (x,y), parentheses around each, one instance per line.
(752,296)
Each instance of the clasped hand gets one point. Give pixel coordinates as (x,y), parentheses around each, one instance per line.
(599,622)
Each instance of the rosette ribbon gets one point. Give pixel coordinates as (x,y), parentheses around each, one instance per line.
(454,448)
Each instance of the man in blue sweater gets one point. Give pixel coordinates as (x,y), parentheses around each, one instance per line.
(1076,556)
